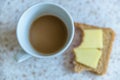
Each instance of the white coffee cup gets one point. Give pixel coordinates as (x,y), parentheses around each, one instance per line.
(27,19)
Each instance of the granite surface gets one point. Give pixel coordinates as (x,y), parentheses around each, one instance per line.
(93,12)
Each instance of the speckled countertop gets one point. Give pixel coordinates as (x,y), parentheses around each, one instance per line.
(94,12)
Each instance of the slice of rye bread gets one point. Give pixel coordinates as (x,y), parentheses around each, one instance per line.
(108,38)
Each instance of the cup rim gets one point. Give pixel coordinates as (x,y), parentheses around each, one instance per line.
(63,49)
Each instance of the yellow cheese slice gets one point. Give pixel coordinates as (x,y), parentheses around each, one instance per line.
(93,38)
(88,57)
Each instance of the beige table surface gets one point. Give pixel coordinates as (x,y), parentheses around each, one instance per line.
(93,12)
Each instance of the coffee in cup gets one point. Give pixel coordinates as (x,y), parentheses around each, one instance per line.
(48,34)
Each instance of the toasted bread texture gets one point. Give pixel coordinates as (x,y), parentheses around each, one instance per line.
(108,38)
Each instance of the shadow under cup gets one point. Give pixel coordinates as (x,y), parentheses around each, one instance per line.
(35,12)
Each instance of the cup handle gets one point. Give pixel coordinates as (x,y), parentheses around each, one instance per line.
(20,57)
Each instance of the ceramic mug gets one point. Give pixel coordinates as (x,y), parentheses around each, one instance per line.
(27,19)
